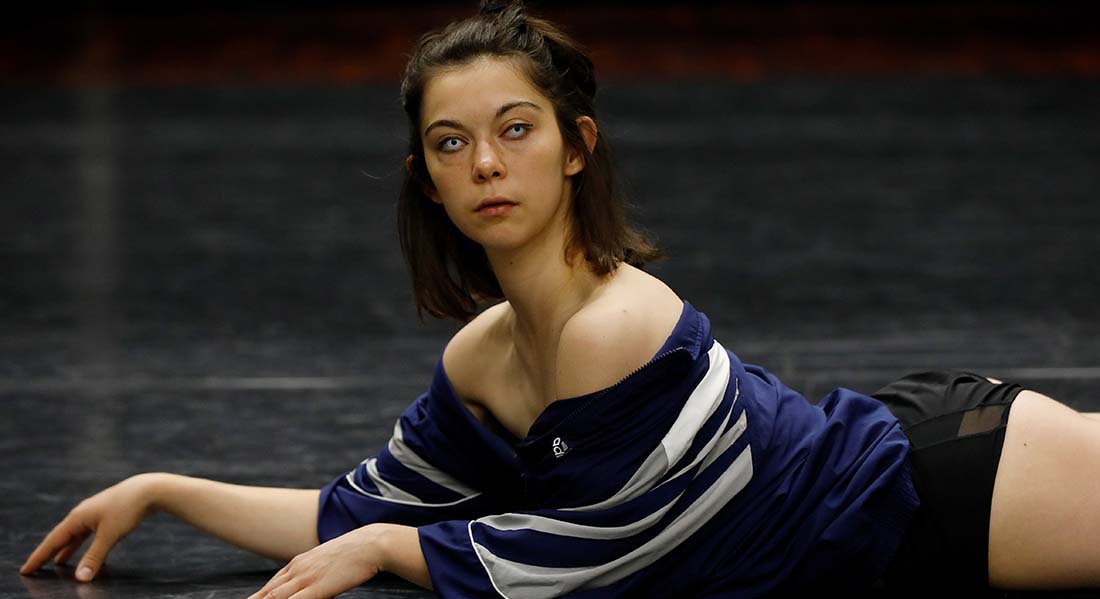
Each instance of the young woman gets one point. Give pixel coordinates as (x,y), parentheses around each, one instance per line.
(588,437)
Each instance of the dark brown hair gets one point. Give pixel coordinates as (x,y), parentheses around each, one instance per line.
(450,272)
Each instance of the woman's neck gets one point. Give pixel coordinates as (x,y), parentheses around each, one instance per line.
(542,290)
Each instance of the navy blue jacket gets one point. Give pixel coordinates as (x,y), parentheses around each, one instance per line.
(694,476)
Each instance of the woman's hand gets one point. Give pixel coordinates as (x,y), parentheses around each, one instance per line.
(330,568)
(110,514)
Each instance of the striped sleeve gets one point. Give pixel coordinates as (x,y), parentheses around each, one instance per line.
(436,466)
(600,549)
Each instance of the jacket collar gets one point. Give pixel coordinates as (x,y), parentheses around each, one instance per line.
(690,338)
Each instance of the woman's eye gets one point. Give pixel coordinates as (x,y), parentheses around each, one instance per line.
(453,144)
(520,128)
(446,145)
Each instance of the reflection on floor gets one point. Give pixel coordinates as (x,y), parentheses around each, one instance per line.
(207,281)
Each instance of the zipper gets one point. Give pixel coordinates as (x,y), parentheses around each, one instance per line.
(603,392)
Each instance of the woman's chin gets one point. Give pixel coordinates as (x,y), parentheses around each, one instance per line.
(501,245)
(495,238)
(503,237)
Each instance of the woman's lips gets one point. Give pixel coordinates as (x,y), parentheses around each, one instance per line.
(495,206)
(496,209)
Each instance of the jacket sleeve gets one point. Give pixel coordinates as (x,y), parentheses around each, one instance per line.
(439,464)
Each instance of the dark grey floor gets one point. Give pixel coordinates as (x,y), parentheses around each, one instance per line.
(207,281)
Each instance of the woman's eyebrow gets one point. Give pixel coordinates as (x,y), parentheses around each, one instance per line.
(500,112)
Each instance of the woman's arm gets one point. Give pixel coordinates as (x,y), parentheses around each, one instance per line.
(281,523)
(274,522)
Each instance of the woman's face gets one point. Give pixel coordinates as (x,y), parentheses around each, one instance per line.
(488,132)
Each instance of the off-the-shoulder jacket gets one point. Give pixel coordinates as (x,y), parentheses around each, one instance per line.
(694,476)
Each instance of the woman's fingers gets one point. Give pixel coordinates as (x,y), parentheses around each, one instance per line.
(65,539)
(280,578)
(306,593)
(110,515)
(68,550)
(57,539)
(95,556)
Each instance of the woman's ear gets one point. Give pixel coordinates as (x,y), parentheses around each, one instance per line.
(575,162)
(428,189)
(589,131)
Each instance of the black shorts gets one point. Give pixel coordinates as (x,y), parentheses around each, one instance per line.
(956,424)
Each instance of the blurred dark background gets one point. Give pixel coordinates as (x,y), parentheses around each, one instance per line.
(189,43)
(199,270)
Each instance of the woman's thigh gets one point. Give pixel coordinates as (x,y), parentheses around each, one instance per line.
(1045,512)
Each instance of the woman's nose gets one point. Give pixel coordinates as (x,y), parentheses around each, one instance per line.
(487,163)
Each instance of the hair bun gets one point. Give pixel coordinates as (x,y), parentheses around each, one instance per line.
(495,7)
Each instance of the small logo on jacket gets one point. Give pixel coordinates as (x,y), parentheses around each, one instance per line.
(560,448)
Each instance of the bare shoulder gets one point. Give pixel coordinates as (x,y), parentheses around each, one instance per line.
(466,353)
(615,334)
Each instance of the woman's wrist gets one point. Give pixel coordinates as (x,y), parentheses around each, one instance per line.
(380,535)
(400,553)
(155,487)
